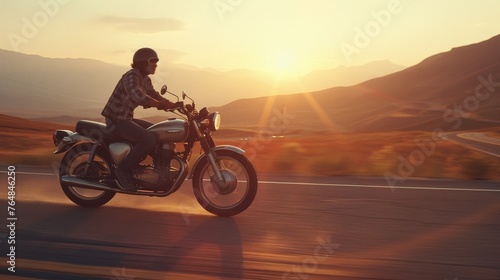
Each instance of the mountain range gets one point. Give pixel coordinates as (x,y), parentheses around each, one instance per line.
(453,90)
(34,86)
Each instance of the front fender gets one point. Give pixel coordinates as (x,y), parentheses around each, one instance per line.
(70,140)
(215,149)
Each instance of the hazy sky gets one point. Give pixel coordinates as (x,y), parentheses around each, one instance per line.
(268,35)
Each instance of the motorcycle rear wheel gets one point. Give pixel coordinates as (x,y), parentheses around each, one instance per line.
(73,164)
(238,191)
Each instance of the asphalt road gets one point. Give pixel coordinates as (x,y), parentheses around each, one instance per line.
(297,228)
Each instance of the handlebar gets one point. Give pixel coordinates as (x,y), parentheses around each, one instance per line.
(179,105)
(176,106)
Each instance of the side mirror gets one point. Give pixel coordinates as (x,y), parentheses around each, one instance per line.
(163,89)
(184,96)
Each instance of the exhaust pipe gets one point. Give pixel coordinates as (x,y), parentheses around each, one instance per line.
(71,181)
(77,182)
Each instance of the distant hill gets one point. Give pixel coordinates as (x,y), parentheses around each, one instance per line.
(34,86)
(438,93)
(454,90)
(68,120)
(31,85)
(348,76)
(10,123)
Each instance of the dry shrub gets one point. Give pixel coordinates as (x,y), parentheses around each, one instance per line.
(336,164)
(475,165)
(381,161)
(288,158)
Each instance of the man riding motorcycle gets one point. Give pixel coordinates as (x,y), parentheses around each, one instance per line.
(134,89)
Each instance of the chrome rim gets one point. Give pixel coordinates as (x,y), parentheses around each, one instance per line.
(233,191)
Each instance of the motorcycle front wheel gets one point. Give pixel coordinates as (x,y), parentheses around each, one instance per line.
(74,164)
(237,191)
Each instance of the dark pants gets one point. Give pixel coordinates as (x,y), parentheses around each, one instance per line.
(144,141)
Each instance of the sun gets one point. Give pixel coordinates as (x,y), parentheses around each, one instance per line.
(284,63)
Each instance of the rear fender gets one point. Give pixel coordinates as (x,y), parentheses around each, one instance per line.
(215,149)
(69,139)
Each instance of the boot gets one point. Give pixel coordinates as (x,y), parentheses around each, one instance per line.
(125,180)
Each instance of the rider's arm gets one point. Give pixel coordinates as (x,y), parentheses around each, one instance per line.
(143,94)
(151,92)
(160,104)
(154,103)
(133,84)
(154,94)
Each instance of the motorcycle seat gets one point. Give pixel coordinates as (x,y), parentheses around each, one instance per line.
(96,131)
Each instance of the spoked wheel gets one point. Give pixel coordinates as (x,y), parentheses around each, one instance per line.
(237,190)
(74,164)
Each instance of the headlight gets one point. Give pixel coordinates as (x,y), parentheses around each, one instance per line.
(214,119)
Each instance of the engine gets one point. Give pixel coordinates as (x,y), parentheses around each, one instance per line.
(157,176)
(148,175)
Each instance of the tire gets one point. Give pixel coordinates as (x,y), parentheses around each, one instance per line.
(73,163)
(239,190)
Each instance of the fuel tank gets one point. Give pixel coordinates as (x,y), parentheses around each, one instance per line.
(171,130)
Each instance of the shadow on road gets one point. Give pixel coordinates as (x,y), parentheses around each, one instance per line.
(125,238)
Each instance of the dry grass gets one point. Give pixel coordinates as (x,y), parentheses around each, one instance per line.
(27,142)
(371,154)
(359,154)
(27,148)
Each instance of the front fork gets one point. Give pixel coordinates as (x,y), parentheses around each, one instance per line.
(207,143)
(215,166)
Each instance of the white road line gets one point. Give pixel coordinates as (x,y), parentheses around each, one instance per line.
(334,185)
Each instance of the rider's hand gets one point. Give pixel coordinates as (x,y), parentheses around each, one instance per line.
(165,105)
(178,104)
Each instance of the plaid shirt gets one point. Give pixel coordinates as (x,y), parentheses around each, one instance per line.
(132,90)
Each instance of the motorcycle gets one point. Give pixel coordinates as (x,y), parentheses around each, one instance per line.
(223,179)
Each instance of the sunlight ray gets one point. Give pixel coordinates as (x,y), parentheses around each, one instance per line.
(271,99)
(320,112)
(266,111)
